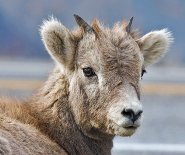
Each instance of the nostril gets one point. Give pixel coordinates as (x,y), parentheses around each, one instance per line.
(129,113)
(139,113)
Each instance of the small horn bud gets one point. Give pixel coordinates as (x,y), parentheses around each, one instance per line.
(87,28)
(128,27)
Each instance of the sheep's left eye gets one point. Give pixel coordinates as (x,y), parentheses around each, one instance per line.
(143,72)
(88,72)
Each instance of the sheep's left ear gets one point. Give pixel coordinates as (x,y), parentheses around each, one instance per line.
(154,45)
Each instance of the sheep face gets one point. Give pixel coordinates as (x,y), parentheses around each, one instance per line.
(104,68)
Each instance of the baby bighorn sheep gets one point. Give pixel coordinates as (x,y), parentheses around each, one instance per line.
(92,95)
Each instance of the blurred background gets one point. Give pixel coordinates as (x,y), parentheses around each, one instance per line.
(25,64)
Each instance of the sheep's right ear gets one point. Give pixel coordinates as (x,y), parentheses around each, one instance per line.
(58,42)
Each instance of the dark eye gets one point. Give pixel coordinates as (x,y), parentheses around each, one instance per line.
(88,72)
(143,72)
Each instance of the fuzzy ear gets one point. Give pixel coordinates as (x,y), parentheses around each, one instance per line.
(154,45)
(58,42)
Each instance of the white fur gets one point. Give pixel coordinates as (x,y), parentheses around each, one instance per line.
(126,101)
(154,45)
(101,81)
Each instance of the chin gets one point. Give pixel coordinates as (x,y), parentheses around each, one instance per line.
(124,132)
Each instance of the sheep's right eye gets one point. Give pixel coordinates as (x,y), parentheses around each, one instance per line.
(88,72)
(143,72)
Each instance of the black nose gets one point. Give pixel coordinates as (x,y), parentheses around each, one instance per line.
(130,114)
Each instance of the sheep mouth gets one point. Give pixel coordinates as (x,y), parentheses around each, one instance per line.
(131,127)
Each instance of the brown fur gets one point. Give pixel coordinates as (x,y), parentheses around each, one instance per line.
(70,113)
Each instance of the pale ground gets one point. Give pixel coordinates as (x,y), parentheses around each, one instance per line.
(163,128)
